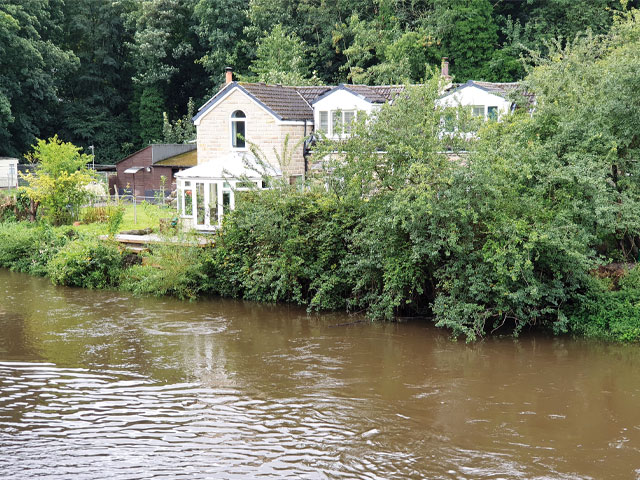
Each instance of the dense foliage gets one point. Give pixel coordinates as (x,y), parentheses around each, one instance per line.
(102,72)
(59,180)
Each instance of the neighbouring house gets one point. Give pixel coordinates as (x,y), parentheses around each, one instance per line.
(8,172)
(146,168)
(248,131)
(487,100)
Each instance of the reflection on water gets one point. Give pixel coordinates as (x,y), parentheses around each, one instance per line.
(101,384)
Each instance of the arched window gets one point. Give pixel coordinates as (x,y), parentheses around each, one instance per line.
(238,129)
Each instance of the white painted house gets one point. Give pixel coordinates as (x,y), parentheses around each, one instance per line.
(268,116)
(487,100)
(8,172)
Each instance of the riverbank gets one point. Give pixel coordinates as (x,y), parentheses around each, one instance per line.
(261,264)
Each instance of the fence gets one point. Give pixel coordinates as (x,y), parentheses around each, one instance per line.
(128,199)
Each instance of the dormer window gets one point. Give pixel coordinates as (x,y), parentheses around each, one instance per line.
(324,122)
(341,122)
(238,119)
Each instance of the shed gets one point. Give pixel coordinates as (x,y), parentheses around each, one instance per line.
(155,161)
(8,172)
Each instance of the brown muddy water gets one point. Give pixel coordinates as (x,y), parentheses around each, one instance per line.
(97,384)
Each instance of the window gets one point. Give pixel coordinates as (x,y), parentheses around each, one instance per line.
(492,113)
(336,122)
(348,118)
(238,129)
(449,121)
(341,121)
(477,111)
(324,123)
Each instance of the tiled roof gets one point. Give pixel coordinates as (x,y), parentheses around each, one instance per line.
(285,101)
(313,92)
(497,88)
(294,103)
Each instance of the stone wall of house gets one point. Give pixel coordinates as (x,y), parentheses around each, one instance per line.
(262,129)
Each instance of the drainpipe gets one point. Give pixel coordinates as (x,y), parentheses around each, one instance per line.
(304,149)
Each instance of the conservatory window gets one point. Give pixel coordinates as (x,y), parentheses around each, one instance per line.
(324,122)
(186,203)
(492,113)
(238,129)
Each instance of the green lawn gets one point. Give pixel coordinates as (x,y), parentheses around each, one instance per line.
(148,216)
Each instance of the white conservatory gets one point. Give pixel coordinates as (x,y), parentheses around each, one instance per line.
(207,191)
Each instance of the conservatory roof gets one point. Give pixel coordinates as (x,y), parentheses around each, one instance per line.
(236,165)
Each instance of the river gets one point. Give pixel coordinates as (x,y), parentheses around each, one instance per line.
(100,384)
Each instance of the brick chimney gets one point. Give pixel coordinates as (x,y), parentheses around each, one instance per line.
(228,72)
(444,69)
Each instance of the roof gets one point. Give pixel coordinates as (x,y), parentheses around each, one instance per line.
(283,102)
(291,103)
(500,89)
(187,159)
(286,102)
(164,151)
(372,94)
(235,165)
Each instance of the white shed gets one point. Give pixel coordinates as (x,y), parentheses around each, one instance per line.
(8,172)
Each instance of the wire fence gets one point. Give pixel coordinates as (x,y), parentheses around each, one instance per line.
(129,199)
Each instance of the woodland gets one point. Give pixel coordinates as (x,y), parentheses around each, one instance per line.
(119,74)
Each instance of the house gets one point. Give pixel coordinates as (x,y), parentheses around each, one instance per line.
(146,168)
(8,172)
(248,131)
(487,100)
(274,119)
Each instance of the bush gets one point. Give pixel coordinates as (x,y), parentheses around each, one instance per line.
(609,314)
(169,270)
(87,262)
(283,245)
(28,248)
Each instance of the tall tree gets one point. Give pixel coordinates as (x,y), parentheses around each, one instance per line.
(281,59)
(164,53)
(468,33)
(32,66)
(219,24)
(94,100)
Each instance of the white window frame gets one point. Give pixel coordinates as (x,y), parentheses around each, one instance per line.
(232,121)
(345,128)
(324,129)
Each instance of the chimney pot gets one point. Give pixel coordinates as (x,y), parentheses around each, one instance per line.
(228,75)
(445,67)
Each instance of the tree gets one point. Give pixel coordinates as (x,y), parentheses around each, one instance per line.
(33,65)
(58,182)
(182,130)
(219,27)
(94,106)
(164,53)
(468,33)
(280,58)
(150,111)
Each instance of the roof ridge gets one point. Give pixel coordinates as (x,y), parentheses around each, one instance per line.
(304,99)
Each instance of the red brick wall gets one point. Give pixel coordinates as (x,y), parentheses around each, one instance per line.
(145,181)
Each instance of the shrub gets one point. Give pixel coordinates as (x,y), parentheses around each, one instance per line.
(169,270)
(87,262)
(28,248)
(609,314)
(283,245)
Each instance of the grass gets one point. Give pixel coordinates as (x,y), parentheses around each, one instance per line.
(148,216)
